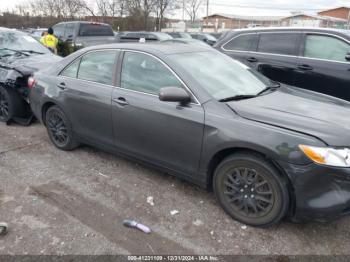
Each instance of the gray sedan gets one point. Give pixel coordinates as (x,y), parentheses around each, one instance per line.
(267,150)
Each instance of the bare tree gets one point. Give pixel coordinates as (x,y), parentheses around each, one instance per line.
(191,8)
(161,7)
(141,8)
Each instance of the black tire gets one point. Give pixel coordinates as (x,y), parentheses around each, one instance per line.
(251,190)
(11,104)
(60,129)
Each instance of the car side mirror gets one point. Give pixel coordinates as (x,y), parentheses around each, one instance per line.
(347,56)
(174,94)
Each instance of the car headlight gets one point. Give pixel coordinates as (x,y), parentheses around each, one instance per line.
(327,156)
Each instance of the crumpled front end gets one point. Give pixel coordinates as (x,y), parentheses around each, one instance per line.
(321,193)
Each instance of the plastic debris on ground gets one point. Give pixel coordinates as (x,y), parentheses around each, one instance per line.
(174,212)
(198,222)
(150,200)
(134,224)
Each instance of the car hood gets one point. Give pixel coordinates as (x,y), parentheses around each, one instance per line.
(31,63)
(304,111)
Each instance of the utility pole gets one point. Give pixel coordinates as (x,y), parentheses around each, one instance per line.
(183,10)
(207,20)
(207,8)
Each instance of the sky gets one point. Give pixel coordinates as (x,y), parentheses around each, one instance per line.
(244,7)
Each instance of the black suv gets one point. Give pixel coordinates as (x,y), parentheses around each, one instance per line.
(312,58)
(78,34)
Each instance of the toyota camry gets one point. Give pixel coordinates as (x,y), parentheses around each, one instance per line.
(267,150)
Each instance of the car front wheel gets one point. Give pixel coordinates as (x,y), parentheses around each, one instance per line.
(11,104)
(251,190)
(59,129)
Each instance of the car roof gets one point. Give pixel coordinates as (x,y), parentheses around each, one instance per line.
(318,29)
(154,48)
(82,22)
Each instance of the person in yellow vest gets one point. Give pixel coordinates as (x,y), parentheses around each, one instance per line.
(50,41)
(42,39)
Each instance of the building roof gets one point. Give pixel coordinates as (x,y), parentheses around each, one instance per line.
(318,17)
(335,8)
(246,17)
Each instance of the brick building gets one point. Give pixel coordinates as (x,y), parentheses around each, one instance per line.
(339,12)
(310,20)
(220,22)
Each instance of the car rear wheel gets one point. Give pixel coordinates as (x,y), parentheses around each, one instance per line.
(11,104)
(251,190)
(59,129)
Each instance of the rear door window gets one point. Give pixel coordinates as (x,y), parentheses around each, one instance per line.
(98,66)
(95,29)
(246,42)
(278,43)
(326,47)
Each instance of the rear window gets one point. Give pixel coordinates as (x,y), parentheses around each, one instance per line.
(278,43)
(95,30)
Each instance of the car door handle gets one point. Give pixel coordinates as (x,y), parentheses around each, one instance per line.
(252,59)
(120,101)
(62,86)
(305,67)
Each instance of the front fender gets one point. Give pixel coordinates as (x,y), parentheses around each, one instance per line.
(234,132)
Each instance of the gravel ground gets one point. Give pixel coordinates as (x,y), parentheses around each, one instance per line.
(74,202)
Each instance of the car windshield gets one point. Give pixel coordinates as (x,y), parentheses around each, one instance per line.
(210,37)
(224,77)
(19,41)
(163,36)
(186,35)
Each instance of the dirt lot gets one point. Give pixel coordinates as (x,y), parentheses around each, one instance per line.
(73,203)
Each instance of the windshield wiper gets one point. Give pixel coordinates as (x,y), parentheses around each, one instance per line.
(13,50)
(237,97)
(31,51)
(269,88)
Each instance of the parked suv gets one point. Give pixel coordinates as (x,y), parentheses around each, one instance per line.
(76,35)
(312,58)
(147,36)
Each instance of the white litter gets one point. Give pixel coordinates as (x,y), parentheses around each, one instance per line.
(102,174)
(174,212)
(198,222)
(244,227)
(150,200)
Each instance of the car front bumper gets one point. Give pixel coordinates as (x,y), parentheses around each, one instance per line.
(320,193)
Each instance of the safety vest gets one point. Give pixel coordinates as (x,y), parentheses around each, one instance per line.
(50,41)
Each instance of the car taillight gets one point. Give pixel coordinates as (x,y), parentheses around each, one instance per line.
(31,82)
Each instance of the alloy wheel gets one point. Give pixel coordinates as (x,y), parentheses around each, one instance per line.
(248,192)
(58,129)
(4,106)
